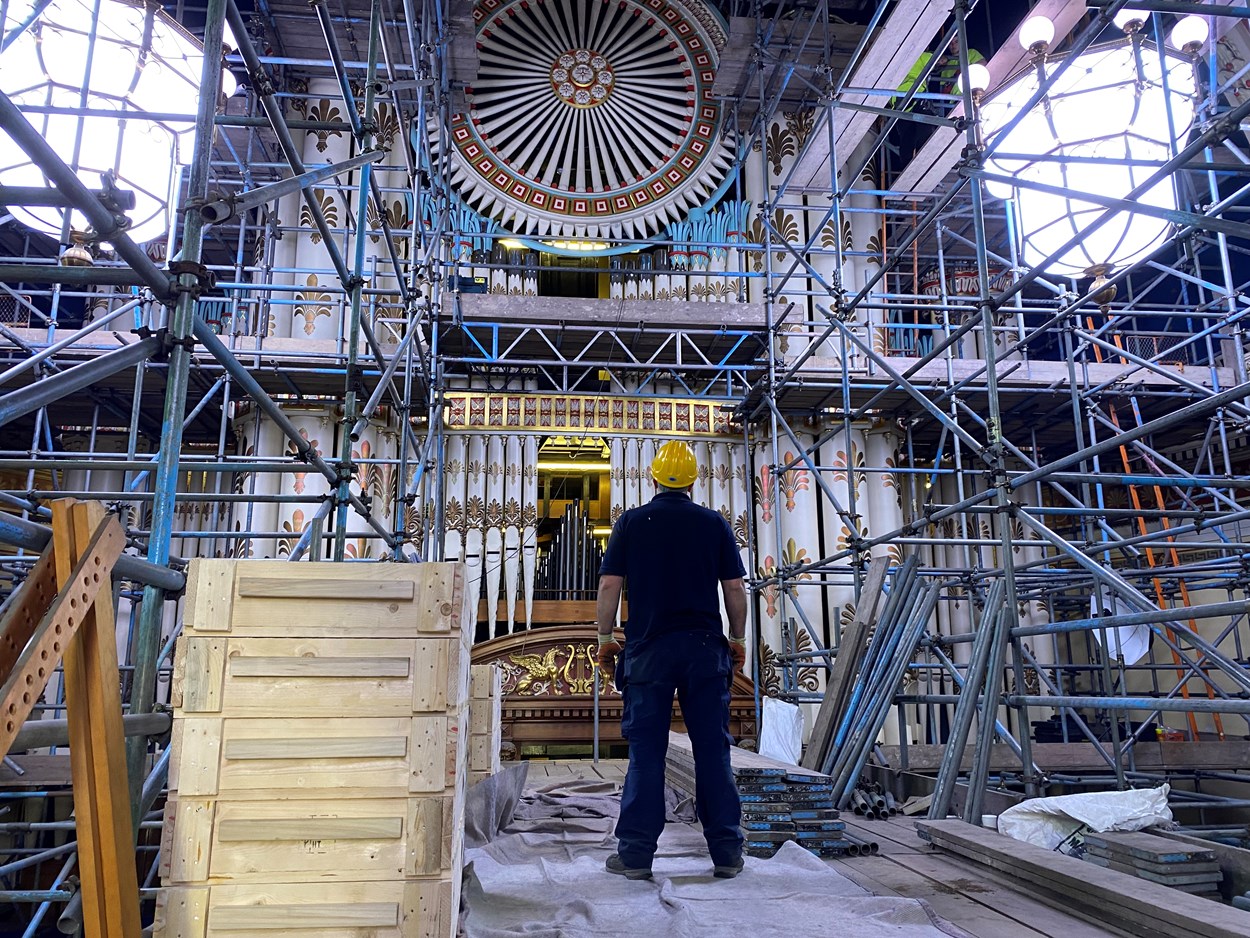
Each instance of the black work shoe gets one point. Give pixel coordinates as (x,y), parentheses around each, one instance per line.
(616,865)
(728,870)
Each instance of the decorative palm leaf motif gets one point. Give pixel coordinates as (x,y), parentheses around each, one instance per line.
(312,304)
(793,556)
(413,527)
(387,125)
(741,526)
(475,468)
(828,235)
(453,516)
(529,515)
(793,481)
(894,553)
(615,514)
(298,87)
(847,615)
(807,679)
(493,517)
(781,144)
(326,113)
(890,480)
(242,545)
(770,678)
(357,550)
(723,475)
(771,592)
(845,537)
(764,493)
(396,217)
(294,454)
(800,124)
(876,253)
(329,208)
(880,341)
(850,466)
(475,512)
(294,528)
(512,513)
(453,467)
(786,227)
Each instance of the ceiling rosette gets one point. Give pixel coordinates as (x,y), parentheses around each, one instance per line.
(591,118)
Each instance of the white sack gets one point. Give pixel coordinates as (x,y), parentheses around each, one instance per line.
(781,736)
(1047,822)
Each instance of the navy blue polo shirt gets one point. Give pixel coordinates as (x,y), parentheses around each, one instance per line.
(673,555)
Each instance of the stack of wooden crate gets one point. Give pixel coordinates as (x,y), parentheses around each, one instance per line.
(485,720)
(319,767)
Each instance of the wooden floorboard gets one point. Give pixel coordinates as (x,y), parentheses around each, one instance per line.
(980,901)
(984,903)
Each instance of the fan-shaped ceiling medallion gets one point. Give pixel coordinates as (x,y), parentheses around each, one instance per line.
(591,118)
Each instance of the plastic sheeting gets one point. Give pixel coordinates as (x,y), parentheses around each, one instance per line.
(781,736)
(1048,822)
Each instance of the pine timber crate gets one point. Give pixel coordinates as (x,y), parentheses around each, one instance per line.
(485,720)
(320,752)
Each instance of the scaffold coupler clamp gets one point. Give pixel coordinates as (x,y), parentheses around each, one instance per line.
(205,279)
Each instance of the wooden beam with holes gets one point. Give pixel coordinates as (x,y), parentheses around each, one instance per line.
(55,618)
(106,858)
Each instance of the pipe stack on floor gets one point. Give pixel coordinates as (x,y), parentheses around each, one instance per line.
(780,802)
(1189,869)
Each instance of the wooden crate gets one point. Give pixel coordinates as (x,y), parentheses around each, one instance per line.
(271,598)
(412,909)
(320,751)
(485,720)
(345,839)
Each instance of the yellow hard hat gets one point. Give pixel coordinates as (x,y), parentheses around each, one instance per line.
(674,466)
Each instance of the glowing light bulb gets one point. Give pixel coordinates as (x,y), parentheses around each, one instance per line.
(1189,33)
(978,78)
(1131,21)
(1036,34)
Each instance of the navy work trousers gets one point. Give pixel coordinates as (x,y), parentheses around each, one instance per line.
(694,665)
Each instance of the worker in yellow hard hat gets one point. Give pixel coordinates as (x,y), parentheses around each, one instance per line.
(674,554)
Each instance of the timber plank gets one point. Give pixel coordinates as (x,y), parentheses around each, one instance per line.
(1123,898)
(851,650)
(948,901)
(329,588)
(1179,878)
(97,743)
(1148,847)
(1000,894)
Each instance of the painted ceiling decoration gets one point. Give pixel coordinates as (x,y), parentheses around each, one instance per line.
(591,118)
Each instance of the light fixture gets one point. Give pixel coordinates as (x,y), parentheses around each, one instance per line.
(1100,126)
(141,61)
(1036,34)
(1189,33)
(978,79)
(1131,21)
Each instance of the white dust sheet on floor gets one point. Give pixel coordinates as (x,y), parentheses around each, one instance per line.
(543,877)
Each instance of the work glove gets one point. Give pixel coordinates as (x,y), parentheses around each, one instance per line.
(605,660)
(738,652)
